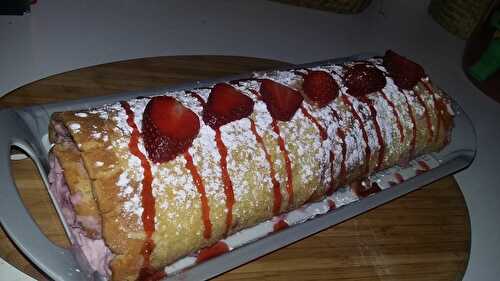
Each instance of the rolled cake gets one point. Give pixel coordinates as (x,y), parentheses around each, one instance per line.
(147,181)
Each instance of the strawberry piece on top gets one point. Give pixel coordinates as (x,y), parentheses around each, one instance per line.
(320,88)
(168,128)
(362,79)
(282,102)
(226,104)
(405,72)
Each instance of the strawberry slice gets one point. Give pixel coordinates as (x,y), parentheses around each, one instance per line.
(362,79)
(226,104)
(168,128)
(281,101)
(320,88)
(405,72)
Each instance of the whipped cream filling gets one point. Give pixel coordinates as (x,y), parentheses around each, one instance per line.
(96,252)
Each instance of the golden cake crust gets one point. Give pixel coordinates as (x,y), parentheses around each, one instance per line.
(100,166)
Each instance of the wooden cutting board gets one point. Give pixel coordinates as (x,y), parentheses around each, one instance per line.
(422,236)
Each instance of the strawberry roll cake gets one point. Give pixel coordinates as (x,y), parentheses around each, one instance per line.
(147,181)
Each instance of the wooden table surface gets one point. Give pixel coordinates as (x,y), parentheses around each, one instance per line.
(422,236)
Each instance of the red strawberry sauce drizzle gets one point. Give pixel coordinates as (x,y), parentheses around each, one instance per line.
(368,152)
(151,274)
(441,107)
(427,115)
(399,177)
(280,225)
(331,205)
(343,165)
(395,113)
(424,167)
(205,208)
(147,272)
(360,190)
(322,131)
(373,189)
(198,181)
(438,114)
(257,94)
(226,180)
(217,249)
(343,169)
(412,118)
(380,139)
(331,188)
(272,172)
(414,129)
(288,162)
(305,112)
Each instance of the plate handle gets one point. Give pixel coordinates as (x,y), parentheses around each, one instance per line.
(58,263)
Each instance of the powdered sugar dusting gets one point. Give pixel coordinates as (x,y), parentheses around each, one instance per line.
(262,117)
(303,142)
(287,78)
(247,87)
(74,127)
(386,120)
(96,135)
(134,206)
(417,107)
(81,114)
(364,114)
(102,112)
(207,158)
(243,152)
(122,128)
(172,181)
(123,180)
(137,106)
(342,197)
(173,185)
